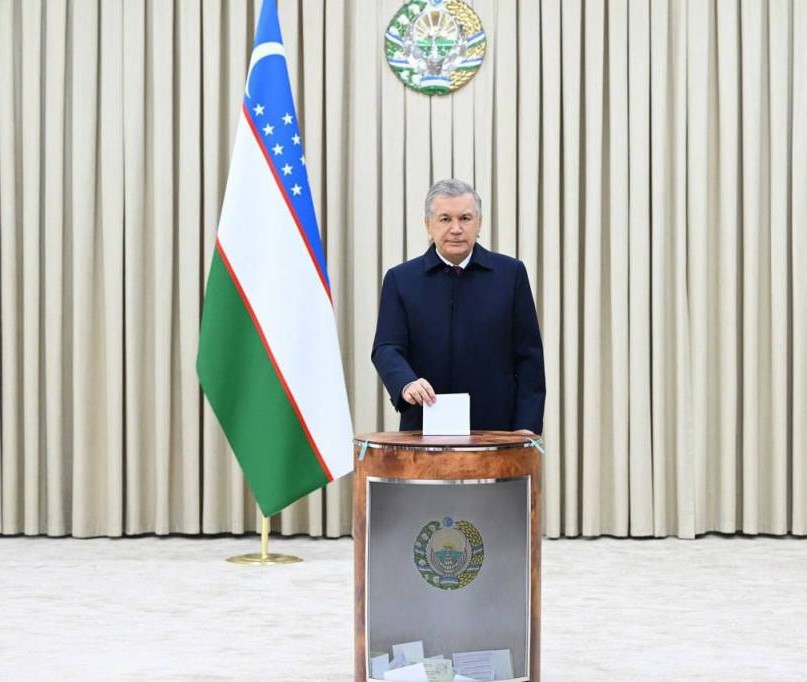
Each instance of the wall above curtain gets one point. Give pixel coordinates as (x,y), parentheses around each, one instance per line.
(647,162)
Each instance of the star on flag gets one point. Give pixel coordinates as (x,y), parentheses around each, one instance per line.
(276,120)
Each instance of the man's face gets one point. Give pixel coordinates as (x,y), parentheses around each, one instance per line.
(454,226)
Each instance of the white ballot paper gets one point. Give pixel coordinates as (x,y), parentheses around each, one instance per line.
(477,665)
(425,671)
(409,673)
(485,666)
(412,652)
(450,415)
(438,670)
(379,665)
(502,664)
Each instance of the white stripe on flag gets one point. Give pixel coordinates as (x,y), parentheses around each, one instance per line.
(279,279)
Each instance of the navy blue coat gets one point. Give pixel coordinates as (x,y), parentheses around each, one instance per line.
(474,332)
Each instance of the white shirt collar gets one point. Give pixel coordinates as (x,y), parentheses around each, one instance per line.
(463,263)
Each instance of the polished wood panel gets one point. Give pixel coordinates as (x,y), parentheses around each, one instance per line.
(477,439)
(412,456)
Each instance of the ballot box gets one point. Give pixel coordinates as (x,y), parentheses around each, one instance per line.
(447,554)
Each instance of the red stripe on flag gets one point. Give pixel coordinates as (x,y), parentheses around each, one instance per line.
(292,212)
(272,359)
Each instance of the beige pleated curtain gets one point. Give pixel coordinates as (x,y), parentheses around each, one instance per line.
(646,160)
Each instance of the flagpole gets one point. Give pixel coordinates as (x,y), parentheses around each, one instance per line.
(264,538)
(264,558)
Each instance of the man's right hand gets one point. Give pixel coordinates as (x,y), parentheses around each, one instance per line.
(419,392)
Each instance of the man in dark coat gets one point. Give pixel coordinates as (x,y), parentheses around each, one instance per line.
(461,319)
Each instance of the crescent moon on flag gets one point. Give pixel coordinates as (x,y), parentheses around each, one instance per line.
(261,51)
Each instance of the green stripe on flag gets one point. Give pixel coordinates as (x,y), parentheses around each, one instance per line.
(249,401)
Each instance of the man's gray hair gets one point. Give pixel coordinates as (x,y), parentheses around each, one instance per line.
(451,188)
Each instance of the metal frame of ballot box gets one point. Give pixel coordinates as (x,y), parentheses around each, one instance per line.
(423,502)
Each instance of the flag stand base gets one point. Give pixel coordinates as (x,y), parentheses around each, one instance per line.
(264,558)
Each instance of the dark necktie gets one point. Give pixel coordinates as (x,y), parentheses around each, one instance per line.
(457,270)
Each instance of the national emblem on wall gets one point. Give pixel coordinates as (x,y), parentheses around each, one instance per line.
(435,46)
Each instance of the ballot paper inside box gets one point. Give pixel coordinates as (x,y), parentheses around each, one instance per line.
(448,564)
(469,666)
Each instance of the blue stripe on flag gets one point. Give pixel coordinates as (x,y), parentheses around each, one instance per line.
(270,107)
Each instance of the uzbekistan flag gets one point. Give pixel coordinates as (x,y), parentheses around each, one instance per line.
(269,358)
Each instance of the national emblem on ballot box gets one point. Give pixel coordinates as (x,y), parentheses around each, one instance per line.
(449,553)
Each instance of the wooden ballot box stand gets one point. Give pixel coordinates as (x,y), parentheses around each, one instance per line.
(447,533)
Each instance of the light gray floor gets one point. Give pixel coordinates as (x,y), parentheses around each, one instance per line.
(172,609)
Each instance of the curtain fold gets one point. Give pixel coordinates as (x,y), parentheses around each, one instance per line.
(797,304)
(646,160)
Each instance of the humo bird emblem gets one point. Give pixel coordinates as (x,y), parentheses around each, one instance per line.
(435,46)
(448,553)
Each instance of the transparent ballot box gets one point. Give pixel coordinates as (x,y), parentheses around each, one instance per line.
(448,558)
